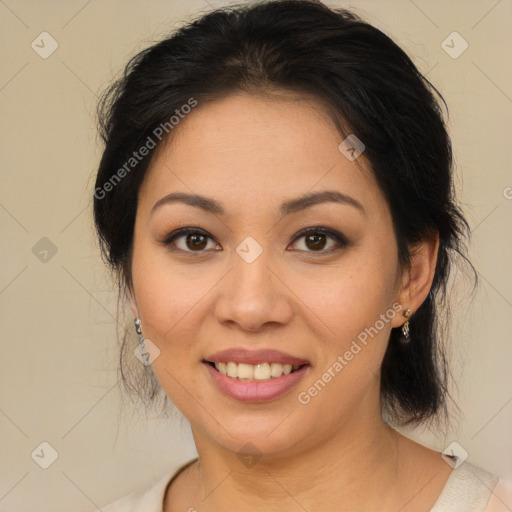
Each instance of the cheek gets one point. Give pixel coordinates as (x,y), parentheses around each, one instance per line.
(351,296)
(356,314)
(168,294)
(169,300)
(355,305)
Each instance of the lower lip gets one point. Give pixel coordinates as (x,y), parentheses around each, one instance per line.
(256,391)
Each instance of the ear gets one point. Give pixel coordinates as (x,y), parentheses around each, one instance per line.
(416,279)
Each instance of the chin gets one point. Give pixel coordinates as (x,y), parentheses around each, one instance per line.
(266,434)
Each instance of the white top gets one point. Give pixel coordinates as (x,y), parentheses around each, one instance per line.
(468,489)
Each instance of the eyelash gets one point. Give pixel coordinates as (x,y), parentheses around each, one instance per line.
(340,239)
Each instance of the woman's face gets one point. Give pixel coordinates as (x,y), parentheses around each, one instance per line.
(247,279)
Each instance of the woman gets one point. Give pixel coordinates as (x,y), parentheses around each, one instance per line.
(276,196)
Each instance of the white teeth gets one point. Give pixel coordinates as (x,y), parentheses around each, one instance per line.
(261,371)
(222,367)
(245,371)
(232,370)
(276,369)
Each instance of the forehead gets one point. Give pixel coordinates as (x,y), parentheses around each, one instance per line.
(257,149)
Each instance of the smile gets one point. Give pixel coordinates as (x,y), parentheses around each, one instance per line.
(260,382)
(254,372)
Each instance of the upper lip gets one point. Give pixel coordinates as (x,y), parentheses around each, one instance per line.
(241,355)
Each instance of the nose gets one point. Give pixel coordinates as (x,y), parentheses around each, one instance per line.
(253,295)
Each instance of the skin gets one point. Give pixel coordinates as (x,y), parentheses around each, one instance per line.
(251,153)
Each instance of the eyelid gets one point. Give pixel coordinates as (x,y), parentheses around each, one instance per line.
(169,239)
(340,239)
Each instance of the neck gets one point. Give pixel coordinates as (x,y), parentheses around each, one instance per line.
(357,466)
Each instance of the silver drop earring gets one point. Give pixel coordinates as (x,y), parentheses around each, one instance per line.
(138,329)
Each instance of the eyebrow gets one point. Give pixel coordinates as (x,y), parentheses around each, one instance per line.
(288,207)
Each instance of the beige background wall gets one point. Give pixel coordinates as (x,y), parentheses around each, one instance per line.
(59,351)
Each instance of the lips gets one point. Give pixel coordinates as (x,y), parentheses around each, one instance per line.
(255,357)
(255,388)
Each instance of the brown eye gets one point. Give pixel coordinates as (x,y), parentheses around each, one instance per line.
(190,240)
(317,240)
(194,242)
